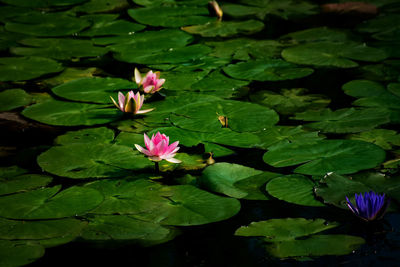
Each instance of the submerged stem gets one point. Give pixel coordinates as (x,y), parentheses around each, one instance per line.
(156,167)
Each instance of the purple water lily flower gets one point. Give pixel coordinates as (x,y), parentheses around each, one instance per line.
(369,206)
(131,103)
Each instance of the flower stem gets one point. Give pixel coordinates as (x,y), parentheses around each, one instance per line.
(156,167)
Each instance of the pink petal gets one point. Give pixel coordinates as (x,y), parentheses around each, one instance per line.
(121,101)
(148,89)
(172,146)
(161,148)
(144,111)
(173,160)
(155,158)
(115,103)
(142,150)
(148,142)
(160,82)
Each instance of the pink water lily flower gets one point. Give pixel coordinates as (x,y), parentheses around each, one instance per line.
(130,103)
(158,148)
(151,82)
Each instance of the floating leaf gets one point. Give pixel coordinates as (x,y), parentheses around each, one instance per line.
(167,205)
(285,229)
(47,24)
(115,27)
(188,162)
(241,116)
(70,74)
(221,178)
(316,245)
(95,161)
(18,253)
(94,89)
(62,49)
(225,28)
(282,8)
(320,34)
(321,157)
(330,54)
(170,55)
(381,137)
(267,70)
(24,182)
(50,203)
(347,120)
(295,188)
(101,6)
(381,24)
(34,230)
(170,16)
(26,68)
(13,98)
(125,228)
(289,101)
(91,135)
(42,3)
(63,113)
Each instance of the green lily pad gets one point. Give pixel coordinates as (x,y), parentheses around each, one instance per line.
(168,205)
(95,161)
(222,178)
(24,182)
(331,54)
(290,101)
(285,134)
(9,39)
(62,49)
(35,230)
(210,116)
(63,113)
(276,230)
(386,71)
(152,40)
(94,89)
(124,228)
(26,68)
(282,8)
(91,135)
(170,2)
(50,203)
(70,74)
(115,27)
(18,253)
(316,245)
(43,3)
(373,94)
(321,157)
(47,25)
(347,120)
(246,49)
(170,55)
(225,28)
(266,70)
(189,162)
(101,6)
(254,186)
(381,137)
(170,16)
(12,171)
(295,188)
(381,24)
(13,98)
(320,34)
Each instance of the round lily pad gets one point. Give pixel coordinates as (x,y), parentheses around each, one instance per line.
(101,6)
(94,89)
(47,24)
(170,16)
(321,157)
(221,178)
(381,137)
(42,3)
(285,229)
(62,49)
(63,113)
(95,160)
(347,120)
(289,101)
(24,182)
(167,205)
(235,115)
(331,54)
(26,68)
(50,203)
(266,70)
(13,98)
(115,27)
(95,135)
(42,229)
(296,189)
(19,253)
(317,245)
(225,28)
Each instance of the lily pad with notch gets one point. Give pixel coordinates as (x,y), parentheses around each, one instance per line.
(14,98)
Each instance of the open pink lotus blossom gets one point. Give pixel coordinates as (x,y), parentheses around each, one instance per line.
(151,82)
(126,104)
(158,148)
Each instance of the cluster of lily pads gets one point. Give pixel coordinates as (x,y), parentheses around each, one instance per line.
(233,98)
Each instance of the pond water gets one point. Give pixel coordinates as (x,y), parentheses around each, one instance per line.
(285,112)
